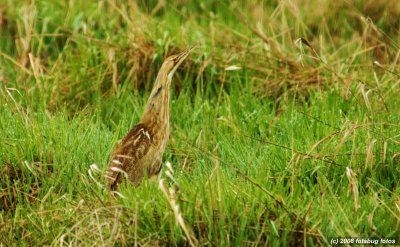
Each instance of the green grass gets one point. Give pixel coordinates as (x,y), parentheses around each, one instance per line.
(296,147)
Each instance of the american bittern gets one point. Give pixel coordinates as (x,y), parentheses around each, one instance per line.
(140,151)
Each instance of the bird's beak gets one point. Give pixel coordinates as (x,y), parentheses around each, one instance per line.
(177,60)
(182,56)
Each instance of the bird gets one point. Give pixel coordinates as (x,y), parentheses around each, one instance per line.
(139,153)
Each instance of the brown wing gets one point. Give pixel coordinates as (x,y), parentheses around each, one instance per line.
(127,154)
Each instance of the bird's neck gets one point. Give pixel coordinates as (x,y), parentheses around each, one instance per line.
(156,113)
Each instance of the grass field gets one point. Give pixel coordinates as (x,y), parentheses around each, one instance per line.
(285,121)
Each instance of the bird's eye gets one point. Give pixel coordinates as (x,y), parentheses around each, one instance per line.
(175,59)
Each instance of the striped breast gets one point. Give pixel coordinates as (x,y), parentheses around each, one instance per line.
(128,154)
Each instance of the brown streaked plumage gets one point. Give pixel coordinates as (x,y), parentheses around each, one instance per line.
(140,151)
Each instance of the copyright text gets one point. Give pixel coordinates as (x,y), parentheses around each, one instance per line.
(363,241)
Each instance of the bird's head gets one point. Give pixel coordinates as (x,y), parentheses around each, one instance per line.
(158,102)
(171,64)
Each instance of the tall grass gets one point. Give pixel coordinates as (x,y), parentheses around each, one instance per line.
(285,121)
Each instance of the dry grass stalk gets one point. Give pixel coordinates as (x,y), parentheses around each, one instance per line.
(365,96)
(353,186)
(25,32)
(94,168)
(171,196)
(369,159)
(346,135)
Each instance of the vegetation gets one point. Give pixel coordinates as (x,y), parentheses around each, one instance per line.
(285,121)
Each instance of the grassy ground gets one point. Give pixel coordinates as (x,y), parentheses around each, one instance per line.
(276,140)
